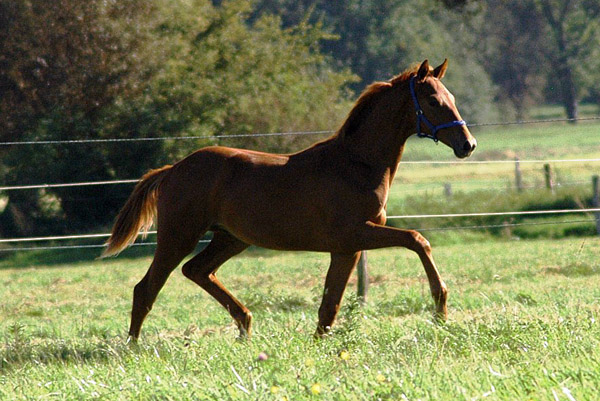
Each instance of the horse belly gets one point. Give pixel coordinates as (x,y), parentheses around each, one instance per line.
(295,217)
(277,214)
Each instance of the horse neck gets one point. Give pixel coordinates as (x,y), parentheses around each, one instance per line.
(380,138)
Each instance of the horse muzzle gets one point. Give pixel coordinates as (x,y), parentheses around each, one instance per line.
(466,148)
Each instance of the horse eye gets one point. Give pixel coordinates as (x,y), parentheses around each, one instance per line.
(433,102)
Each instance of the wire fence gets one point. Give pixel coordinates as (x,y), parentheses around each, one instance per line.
(397,217)
(432,162)
(268,134)
(98,246)
(393,217)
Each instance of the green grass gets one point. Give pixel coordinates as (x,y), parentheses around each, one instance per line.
(523,325)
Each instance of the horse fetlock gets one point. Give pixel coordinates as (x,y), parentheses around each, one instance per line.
(441,302)
(244,325)
(132,340)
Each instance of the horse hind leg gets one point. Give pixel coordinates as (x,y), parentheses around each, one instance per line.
(202,268)
(146,291)
(174,242)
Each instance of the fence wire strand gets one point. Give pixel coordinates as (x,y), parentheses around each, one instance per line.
(291,133)
(133,181)
(456,228)
(417,216)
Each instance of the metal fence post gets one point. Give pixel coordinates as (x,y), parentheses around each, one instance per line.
(548,176)
(596,199)
(518,176)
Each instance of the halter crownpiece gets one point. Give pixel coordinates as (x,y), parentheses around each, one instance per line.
(421,117)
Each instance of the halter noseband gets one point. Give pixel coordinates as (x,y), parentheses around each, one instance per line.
(421,117)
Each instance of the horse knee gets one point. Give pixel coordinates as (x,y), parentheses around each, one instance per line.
(420,243)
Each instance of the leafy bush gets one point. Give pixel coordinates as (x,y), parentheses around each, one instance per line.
(186,68)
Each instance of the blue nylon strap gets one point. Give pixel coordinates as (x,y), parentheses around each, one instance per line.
(421,117)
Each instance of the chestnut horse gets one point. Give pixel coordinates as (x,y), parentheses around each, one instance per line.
(330,198)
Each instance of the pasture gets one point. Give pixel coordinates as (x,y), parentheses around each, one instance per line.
(523,313)
(523,325)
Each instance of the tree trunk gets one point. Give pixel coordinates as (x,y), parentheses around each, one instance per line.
(568,91)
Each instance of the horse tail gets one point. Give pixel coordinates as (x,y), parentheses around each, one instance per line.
(138,212)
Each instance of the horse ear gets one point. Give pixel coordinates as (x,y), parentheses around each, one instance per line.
(423,70)
(440,71)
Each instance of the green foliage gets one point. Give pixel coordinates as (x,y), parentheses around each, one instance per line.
(489,200)
(188,68)
(127,69)
(378,39)
(230,77)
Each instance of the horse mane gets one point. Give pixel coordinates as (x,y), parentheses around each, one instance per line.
(406,74)
(366,101)
(362,106)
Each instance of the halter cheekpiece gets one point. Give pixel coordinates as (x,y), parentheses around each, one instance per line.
(421,117)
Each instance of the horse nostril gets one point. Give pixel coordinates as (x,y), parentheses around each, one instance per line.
(468,147)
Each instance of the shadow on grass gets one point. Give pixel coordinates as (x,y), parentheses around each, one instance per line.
(18,353)
(574,270)
(278,303)
(59,257)
(20,349)
(404,306)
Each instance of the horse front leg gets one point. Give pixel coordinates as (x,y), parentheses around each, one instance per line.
(339,272)
(374,236)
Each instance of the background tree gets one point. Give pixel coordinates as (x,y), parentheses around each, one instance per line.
(129,68)
(512,46)
(573,28)
(232,73)
(62,64)
(378,39)
(120,69)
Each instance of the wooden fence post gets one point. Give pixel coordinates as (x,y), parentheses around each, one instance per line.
(596,200)
(518,176)
(548,175)
(362,285)
(448,190)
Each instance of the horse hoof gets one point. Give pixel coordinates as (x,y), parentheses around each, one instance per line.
(440,316)
(244,335)
(132,341)
(322,332)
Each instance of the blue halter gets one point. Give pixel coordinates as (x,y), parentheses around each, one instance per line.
(421,117)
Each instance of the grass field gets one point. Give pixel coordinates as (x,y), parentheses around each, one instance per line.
(524,324)
(530,142)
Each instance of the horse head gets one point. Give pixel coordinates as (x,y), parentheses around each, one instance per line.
(436,111)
